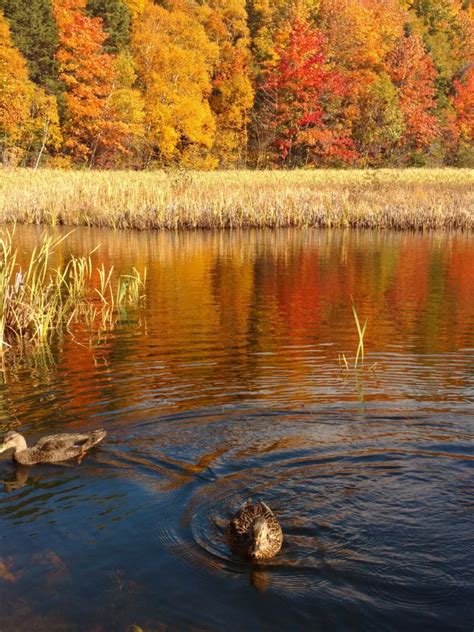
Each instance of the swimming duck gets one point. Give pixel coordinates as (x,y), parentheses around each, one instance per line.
(51,449)
(254,532)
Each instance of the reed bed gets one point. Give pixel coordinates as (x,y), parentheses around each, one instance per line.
(38,302)
(404,199)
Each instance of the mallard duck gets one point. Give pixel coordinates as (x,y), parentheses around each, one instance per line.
(254,532)
(51,449)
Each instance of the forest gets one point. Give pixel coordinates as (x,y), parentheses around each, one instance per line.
(206,84)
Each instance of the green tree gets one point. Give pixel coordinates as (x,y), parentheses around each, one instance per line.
(116,20)
(35,34)
(29,121)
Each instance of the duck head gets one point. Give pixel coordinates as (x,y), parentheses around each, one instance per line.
(260,540)
(13,440)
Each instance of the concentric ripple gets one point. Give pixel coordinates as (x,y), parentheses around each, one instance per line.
(350,516)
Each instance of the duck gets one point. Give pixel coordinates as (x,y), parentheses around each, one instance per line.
(254,532)
(52,448)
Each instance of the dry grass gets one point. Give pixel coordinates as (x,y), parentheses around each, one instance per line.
(40,302)
(411,199)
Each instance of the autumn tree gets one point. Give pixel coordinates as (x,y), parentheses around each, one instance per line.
(359,36)
(459,135)
(305,102)
(15,89)
(91,125)
(463,102)
(232,92)
(439,24)
(266,18)
(136,7)
(360,33)
(41,132)
(413,73)
(379,125)
(122,145)
(207,83)
(175,60)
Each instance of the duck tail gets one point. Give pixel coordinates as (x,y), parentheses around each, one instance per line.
(96,436)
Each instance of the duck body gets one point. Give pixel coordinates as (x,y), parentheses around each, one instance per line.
(254,532)
(52,448)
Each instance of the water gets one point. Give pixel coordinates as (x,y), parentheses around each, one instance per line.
(228,387)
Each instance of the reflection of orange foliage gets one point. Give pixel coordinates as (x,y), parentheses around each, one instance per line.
(52,566)
(6,572)
(300,294)
(245,312)
(461,273)
(78,363)
(408,293)
(460,284)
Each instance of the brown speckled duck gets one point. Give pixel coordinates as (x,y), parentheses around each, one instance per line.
(254,532)
(51,449)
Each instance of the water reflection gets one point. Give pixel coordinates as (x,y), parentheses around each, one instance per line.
(227,387)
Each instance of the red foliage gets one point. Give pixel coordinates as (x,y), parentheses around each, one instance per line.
(307,115)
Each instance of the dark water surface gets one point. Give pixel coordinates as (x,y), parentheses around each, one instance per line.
(227,386)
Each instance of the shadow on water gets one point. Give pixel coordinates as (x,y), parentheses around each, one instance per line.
(228,389)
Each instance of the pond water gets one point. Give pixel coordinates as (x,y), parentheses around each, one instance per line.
(227,386)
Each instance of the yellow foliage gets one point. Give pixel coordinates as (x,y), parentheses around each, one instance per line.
(174,60)
(15,88)
(361,32)
(43,125)
(126,75)
(232,95)
(59,162)
(126,105)
(136,7)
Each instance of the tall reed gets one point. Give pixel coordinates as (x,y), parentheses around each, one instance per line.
(360,353)
(39,301)
(361,334)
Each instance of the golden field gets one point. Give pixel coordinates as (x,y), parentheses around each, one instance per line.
(412,199)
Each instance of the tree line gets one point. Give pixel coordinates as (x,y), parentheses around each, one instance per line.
(233,83)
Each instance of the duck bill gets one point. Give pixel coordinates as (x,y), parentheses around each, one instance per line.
(255,555)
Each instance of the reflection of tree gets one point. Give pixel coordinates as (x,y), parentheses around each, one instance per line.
(233,314)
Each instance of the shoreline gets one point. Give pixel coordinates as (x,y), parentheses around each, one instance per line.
(394,199)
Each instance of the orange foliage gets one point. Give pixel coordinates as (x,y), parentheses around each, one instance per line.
(93,126)
(463,102)
(413,73)
(228,82)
